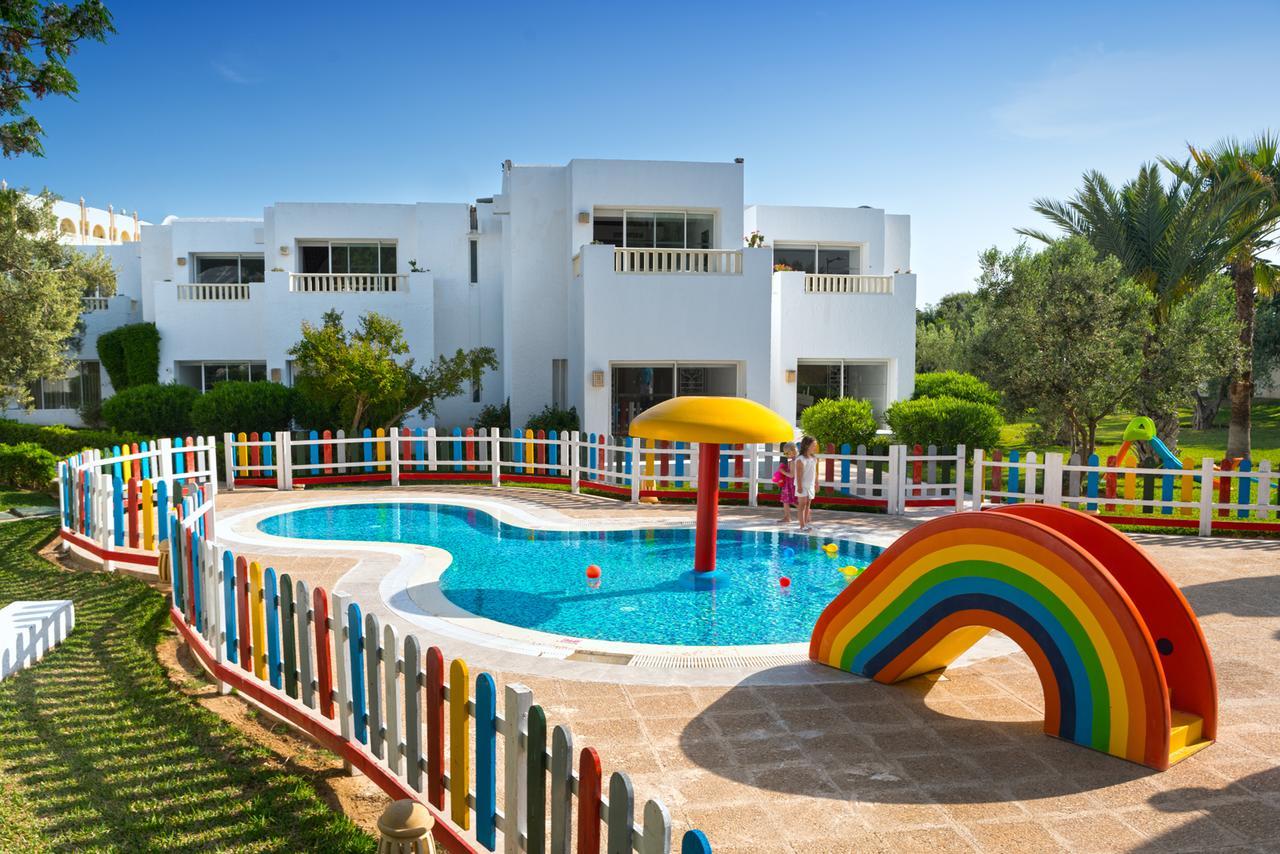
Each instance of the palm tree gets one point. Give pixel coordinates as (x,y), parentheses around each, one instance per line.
(1252,171)
(1169,238)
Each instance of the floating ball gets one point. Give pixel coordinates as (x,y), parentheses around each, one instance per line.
(831,548)
(788,553)
(593,571)
(784,582)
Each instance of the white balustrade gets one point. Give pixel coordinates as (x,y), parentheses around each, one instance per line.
(822,283)
(682,261)
(220,292)
(348,283)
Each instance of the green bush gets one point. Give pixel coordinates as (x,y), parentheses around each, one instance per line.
(837,422)
(314,411)
(945,422)
(957,385)
(60,440)
(26,466)
(234,407)
(131,355)
(153,410)
(495,417)
(551,418)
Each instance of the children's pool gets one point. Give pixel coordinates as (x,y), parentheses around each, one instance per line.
(537,579)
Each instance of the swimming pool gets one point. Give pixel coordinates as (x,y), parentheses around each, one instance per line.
(537,579)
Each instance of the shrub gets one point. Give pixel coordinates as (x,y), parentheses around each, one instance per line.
(837,422)
(551,418)
(314,411)
(60,440)
(957,385)
(26,466)
(945,422)
(131,355)
(234,407)
(495,416)
(153,410)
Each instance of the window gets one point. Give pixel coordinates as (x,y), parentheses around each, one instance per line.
(228,269)
(66,226)
(638,387)
(819,258)
(475,392)
(81,386)
(373,256)
(475,261)
(654,229)
(830,380)
(204,375)
(560,383)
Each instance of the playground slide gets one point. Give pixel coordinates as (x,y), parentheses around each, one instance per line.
(1167,457)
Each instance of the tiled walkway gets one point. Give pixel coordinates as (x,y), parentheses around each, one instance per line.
(960,763)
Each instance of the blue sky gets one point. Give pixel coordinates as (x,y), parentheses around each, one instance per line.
(958,114)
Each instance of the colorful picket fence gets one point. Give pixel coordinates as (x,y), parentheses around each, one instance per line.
(1206,497)
(892,478)
(114,504)
(418,725)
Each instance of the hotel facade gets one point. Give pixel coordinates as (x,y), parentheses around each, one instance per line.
(603,285)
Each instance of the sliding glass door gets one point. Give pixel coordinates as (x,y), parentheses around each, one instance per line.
(654,229)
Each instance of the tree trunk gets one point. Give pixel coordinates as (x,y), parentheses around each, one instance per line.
(1238,434)
(1207,405)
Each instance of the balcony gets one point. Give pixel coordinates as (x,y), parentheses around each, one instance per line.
(719,262)
(220,292)
(823,283)
(348,283)
(94,303)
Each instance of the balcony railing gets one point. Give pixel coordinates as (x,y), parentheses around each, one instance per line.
(822,283)
(348,283)
(666,261)
(94,303)
(208,292)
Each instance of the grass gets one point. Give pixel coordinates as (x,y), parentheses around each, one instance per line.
(101,753)
(1191,443)
(25,498)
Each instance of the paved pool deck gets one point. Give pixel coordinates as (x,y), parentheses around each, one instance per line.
(794,757)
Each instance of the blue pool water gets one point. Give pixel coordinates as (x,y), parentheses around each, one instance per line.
(537,579)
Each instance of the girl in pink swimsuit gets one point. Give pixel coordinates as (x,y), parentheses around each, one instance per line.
(785,478)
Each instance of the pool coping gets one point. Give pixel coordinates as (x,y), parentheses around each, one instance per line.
(410,588)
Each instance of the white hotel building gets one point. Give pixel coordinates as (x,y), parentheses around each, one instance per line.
(604,285)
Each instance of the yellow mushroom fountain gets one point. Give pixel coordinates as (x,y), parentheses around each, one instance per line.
(710,422)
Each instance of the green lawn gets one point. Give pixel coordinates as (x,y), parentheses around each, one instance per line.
(1193,443)
(25,498)
(99,752)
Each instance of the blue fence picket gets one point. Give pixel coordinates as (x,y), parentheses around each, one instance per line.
(313,453)
(724,466)
(630,461)
(271,593)
(145,448)
(457,447)
(695,842)
(844,467)
(117,509)
(1091,485)
(419,448)
(486,761)
(229,605)
(179,578)
(197,584)
(679,459)
(268,452)
(517,453)
(591,454)
(553,452)
(355,636)
(162,511)
(179,460)
(1013,475)
(117,468)
(1166,493)
(368,448)
(1246,488)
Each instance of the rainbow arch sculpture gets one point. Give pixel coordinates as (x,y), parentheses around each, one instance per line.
(1120,655)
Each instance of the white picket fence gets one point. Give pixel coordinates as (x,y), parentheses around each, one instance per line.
(894,480)
(1202,497)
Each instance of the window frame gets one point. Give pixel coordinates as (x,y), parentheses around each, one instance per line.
(249,366)
(843,365)
(347,242)
(674,367)
(653,213)
(817,246)
(75,376)
(240,258)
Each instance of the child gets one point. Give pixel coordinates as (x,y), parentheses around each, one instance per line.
(785,478)
(806,479)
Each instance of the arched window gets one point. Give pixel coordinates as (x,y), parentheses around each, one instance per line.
(67,227)
(98,232)
(124,237)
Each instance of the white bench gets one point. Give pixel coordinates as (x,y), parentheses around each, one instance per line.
(30,629)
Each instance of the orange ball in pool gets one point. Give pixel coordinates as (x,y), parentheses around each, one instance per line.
(784,581)
(593,571)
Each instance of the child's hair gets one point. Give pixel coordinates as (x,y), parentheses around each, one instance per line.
(806,443)
(786,446)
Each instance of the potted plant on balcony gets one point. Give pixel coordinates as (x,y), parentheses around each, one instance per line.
(783,268)
(754,240)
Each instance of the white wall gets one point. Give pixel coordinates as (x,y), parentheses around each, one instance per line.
(885,239)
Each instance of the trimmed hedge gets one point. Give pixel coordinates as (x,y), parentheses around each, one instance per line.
(154,410)
(234,407)
(26,466)
(62,441)
(837,421)
(551,418)
(131,355)
(957,385)
(945,422)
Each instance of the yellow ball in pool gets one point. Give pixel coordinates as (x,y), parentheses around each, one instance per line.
(831,548)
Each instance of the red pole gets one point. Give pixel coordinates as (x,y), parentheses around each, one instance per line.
(704,549)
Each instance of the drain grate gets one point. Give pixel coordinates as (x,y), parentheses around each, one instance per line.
(713,662)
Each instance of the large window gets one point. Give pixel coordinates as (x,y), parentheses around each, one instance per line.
(322,256)
(832,380)
(82,385)
(560,383)
(228,269)
(819,258)
(654,229)
(638,387)
(204,375)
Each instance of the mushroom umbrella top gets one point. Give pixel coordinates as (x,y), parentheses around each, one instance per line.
(715,420)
